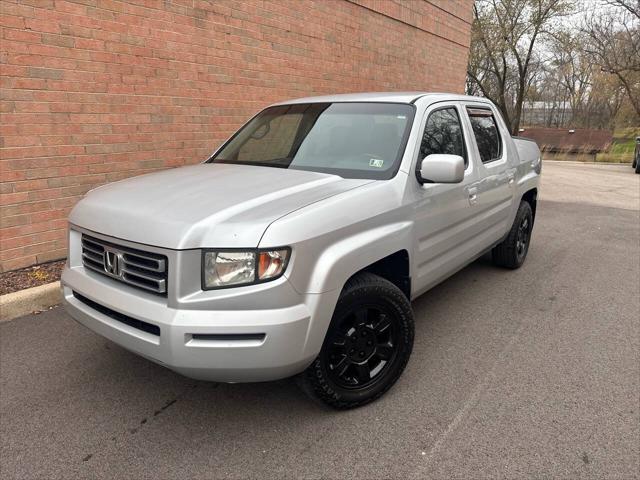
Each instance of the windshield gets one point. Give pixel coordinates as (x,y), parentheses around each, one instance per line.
(353,140)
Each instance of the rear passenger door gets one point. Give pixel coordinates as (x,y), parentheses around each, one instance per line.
(494,189)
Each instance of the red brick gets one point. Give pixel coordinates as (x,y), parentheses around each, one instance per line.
(22,36)
(12,21)
(20,262)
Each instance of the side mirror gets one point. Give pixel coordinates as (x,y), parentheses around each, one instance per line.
(442,168)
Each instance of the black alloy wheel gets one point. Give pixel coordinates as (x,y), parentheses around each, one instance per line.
(362,347)
(512,251)
(367,345)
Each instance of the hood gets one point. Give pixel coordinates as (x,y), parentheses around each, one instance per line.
(203,206)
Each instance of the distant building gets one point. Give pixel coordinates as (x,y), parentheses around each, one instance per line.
(546,113)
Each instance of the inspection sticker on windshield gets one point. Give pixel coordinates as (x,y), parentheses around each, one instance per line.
(376,162)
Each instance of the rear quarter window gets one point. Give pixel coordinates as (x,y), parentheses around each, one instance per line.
(486,133)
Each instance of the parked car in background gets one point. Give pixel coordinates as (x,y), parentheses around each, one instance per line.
(636,156)
(299,245)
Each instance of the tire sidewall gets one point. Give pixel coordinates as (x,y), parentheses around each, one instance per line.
(523,212)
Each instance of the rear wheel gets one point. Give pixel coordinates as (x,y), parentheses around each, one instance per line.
(367,346)
(512,252)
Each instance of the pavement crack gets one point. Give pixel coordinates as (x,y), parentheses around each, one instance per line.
(170,402)
(164,407)
(145,420)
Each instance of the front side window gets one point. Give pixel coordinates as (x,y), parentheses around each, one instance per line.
(485,130)
(443,134)
(353,140)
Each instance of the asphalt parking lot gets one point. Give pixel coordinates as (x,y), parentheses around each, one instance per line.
(528,373)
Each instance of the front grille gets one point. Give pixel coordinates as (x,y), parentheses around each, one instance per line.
(140,269)
(120,317)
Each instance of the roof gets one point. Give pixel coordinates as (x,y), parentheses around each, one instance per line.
(579,140)
(383,97)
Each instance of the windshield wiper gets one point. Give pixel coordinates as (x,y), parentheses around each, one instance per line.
(267,163)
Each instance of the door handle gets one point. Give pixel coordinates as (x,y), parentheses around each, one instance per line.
(473,195)
(511,178)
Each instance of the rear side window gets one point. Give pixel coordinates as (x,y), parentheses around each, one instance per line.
(443,134)
(485,130)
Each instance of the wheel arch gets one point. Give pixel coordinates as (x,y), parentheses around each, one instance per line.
(395,268)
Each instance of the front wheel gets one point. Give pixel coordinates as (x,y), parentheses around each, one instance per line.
(512,252)
(367,346)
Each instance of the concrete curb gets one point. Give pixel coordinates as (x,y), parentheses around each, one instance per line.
(23,302)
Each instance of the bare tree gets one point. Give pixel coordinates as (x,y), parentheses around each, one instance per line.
(572,68)
(614,42)
(631,6)
(572,90)
(503,62)
(606,98)
(572,76)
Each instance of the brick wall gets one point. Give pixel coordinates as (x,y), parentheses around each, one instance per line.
(97,90)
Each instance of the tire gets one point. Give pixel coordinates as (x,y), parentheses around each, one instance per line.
(637,165)
(512,252)
(367,345)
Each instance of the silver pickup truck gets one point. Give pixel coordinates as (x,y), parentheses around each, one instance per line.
(297,247)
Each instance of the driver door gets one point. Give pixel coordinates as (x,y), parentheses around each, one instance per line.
(444,214)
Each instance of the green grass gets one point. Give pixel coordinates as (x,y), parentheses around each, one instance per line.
(623,146)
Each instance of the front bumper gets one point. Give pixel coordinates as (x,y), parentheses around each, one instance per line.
(218,345)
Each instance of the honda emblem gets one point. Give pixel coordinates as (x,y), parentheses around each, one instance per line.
(113,262)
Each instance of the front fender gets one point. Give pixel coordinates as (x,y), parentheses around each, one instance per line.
(342,259)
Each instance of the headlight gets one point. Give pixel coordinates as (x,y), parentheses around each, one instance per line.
(233,268)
